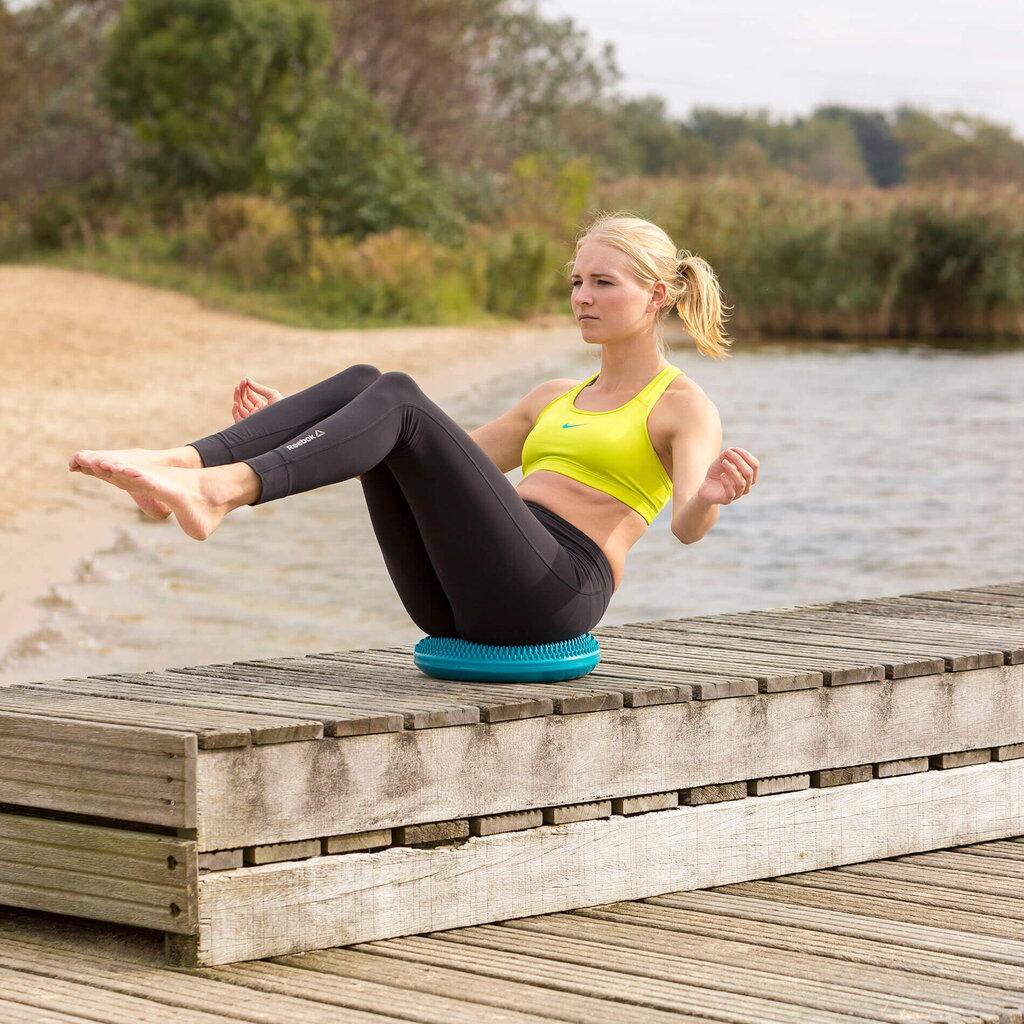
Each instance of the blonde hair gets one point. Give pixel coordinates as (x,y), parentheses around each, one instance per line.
(692,287)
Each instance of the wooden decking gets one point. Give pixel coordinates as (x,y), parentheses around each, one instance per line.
(935,937)
(266,808)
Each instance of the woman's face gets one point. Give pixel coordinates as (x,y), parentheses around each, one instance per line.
(609,301)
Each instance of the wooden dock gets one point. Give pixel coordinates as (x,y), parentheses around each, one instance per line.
(929,938)
(265,808)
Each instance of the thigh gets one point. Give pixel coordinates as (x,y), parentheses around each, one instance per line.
(507,579)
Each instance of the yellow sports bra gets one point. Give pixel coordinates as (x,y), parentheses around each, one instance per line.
(611,451)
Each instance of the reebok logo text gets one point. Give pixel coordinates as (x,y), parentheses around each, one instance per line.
(303,440)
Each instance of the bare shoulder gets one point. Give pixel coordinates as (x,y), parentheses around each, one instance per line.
(684,409)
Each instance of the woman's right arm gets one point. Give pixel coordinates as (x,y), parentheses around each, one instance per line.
(503,439)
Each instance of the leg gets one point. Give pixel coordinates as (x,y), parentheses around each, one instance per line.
(289,418)
(405,556)
(254,435)
(446,512)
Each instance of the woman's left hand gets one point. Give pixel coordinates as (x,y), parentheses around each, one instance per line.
(250,397)
(729,477)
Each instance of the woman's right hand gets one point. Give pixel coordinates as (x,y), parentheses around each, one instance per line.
(250,397)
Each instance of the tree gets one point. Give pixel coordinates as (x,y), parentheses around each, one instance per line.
(216,86)
(881,151)
(358,175)
(958,148)
(53,129)
(473,82)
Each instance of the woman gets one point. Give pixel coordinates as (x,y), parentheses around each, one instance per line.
(470,555)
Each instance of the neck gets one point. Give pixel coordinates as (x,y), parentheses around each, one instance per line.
(630,364)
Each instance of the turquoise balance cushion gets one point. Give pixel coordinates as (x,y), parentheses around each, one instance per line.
(452,658)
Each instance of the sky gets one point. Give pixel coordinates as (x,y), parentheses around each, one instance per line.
(793,55)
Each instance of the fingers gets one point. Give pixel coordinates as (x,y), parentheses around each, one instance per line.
(270,394)
(742,468)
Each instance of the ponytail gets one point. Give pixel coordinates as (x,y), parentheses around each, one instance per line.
(700,306)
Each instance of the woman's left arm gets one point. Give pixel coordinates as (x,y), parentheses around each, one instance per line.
(703,476)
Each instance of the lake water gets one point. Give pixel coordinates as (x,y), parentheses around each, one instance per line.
(884,470)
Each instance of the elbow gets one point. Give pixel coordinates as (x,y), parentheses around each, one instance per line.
(690,537)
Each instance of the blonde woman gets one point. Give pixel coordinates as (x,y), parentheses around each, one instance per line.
(470,555)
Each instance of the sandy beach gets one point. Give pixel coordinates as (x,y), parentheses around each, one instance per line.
(91,361)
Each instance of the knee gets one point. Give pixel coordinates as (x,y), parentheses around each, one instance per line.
(400,384)
(362,375)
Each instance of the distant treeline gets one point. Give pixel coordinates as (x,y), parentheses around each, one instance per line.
(358,161)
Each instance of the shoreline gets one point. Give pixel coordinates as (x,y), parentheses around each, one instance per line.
(72,339)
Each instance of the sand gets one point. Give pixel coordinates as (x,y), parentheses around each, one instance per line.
(92,361)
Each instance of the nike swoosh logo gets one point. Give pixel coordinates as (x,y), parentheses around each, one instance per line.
(566,426)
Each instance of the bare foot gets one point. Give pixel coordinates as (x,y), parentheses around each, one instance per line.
(199,498)
(84,461)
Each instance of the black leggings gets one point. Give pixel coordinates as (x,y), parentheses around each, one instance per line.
(467,555)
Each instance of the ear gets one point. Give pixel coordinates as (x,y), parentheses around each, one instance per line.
(658,295)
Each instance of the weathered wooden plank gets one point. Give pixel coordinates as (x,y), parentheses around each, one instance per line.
(357,841)
(836,664)
(843,776)
(778,784)
(903,766)
(272,853)
(209,734)
(938,611)
(108,990)
(893,654)
(103,873)
(711,684)
(1006,909)
(370,996)
(843,938)
(1008,752)
(964,879)
(577,812)
(965,864)
(1002,851)
(902,988)
(1015,588)
(111,771)
(22,1013)
(713,794)
(771,906)
(222,694)
(1010,602)
(959,759)
(418,711)
(259,794)
(220,860)
(645,804)
(267,912)
(631,979)
(493,824)
(565,698)
(793,892)
(771,676)
(526,993)
(777,980)
(432,832)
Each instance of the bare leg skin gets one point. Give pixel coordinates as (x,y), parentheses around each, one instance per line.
(185,457)
(199,498)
